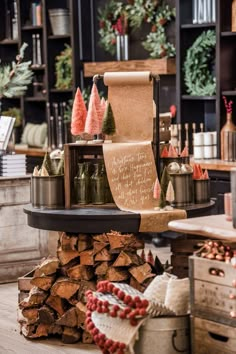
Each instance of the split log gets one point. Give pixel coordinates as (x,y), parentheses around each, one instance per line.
(101,238)
(84,242)
(141,273)
(84,286)
(69,319)
(135,284)
(98,246)
(55,330)
(87,338)
(86,257)
(47,267)
(68,243)
(126,242)
(103,255)
(65,288)
(66,256)
(35,331)
(71,335)
(80,272)
(81,314)
(57,304)
(102,268)
(43,282)
(28,315)
(36,298)
(126,259)
(46,315)
(117,274)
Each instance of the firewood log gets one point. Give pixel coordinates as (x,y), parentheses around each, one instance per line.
(84,286)
(103,255)
(68,243)
(35,331)
(84,242)
(117,274)
(141,273)
(46,315)
(43,282)
(57,304)
(101,238)
(65,288)
(81,314)
(69,319)
(36,298)
(55,329)
(135,284)
(86,257)
(98,246)
(102,268)
(66,256)
(47,267)
(87,338)
(28,315)
(71,335)
(120,242)
(126,259)
(79,272)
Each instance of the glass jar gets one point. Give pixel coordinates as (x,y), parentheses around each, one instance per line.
(82,184)
(98,185)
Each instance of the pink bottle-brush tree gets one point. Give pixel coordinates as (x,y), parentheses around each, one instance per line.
(79,114)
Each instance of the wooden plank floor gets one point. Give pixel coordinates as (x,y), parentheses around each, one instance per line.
(12,342)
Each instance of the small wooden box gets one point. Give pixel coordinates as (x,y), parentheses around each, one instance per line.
(24,285)
(209,337)
(213,297)
(75,153)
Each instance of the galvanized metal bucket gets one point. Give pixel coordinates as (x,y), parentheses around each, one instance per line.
(47,192)
(60,22)
(201,191)
(183,188)
(164,335)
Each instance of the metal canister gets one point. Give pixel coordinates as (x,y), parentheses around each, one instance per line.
(183,188)
(47,192)
(201,191)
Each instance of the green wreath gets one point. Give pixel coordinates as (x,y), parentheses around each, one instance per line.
(197,68)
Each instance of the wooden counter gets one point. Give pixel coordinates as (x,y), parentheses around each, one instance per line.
(214,226)
(215,164)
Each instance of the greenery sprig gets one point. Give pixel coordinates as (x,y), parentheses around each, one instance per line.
(132,15)
(197,68)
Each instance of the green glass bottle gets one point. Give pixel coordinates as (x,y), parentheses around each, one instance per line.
(97,185)
(82,184)
(107,191)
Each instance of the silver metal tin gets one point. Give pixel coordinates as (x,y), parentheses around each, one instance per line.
(47,192)
(201,191)
(183,188)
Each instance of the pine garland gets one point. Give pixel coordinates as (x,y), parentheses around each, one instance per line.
(15,79)
(64,69)
(197,68)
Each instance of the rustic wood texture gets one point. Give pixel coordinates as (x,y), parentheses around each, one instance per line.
(212,226)
(156,66)
(13,342)
(215,164)
(212,337)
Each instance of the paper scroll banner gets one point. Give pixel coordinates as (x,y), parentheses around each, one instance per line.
(131,97)
(131,174)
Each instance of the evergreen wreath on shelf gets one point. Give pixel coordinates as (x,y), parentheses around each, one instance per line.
(198,76)
(117,18)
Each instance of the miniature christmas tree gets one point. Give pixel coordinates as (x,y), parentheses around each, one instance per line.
(172,152)
(165,178)
(108,124)
(164,152)
(150,258)
(103,105)
(157,189)
(143,256)
(205,175)
(47,165)
(185,152)
(79,114)
(170,193)
(92,123)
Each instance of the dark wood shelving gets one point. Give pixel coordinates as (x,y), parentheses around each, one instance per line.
(61,36)
(55,90)
(8,41)
(197,25)
(35,99)
(38,67)
(228,34)
(198,98)
(31,28)
(229,92)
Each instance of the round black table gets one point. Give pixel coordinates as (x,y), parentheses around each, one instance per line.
(96,220)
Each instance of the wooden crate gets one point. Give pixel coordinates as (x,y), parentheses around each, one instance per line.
(212,297)
(208,337)
(75,153)
(24,285)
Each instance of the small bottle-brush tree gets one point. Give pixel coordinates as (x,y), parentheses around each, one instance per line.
(108,124)
(78,115)
(165,178)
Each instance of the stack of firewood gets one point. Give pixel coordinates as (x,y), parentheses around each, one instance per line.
(56,305)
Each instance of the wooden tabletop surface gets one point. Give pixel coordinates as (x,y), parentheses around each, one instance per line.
(215,164)
(213,226)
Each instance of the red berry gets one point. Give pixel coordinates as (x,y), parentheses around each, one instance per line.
(142,312)
(113,314)
(88,313)
(108,343)
(90,326)
(115,291)
(122,315)
(127,310)
(122,346)
(110,287)
(145,303)
(121,294)
(137,299)
(133,322)
(116,308)
(127,299)
(95,331)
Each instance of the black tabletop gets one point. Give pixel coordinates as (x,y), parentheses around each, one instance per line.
(95,220)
